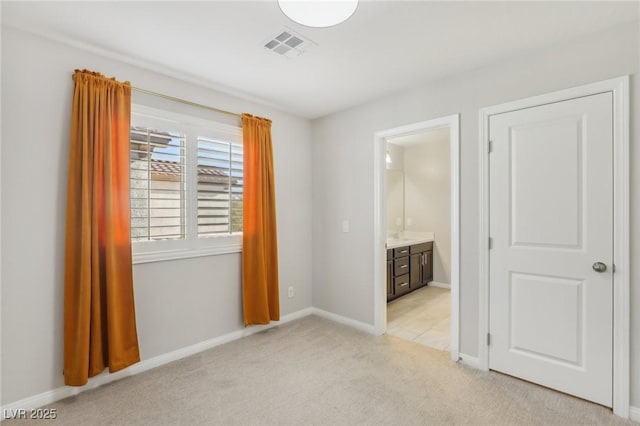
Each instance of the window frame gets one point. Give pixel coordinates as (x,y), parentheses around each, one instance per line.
(192,245)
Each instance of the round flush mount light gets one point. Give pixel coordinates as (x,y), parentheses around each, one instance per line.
(318,13)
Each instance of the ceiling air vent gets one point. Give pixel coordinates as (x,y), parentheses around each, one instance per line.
(288,43)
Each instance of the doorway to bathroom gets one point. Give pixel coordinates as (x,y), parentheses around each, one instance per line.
(417,233)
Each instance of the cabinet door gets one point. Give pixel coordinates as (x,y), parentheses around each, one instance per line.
(415,270)
(427,267)
(390,285)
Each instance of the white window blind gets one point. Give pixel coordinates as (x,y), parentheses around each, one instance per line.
(158,176)
(186,186)
(220,173)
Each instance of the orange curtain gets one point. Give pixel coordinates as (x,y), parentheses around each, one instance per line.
(99,314)
(260,294)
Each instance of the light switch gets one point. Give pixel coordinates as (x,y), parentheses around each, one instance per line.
(345,226)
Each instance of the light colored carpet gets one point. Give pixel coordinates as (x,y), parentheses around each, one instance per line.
(422,316)
(316,372)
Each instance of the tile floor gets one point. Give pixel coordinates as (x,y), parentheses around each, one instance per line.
(422,316)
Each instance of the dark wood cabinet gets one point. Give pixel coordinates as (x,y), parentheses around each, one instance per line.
(397,272)
(401,266)
(408,268)
(423,263)
(427,267)
(401,285)
(390,290)
(415,279)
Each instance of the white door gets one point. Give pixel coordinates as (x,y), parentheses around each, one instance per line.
(551,220)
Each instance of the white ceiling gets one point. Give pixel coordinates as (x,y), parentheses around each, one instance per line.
(387,46)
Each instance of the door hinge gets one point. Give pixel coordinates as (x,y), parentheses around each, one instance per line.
(490,147)
(613,268)
(488,339)
(490,243)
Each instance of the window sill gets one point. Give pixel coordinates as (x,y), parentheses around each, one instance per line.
(166,255)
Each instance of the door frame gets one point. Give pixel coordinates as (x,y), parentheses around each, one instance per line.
(619,87)
(380,220)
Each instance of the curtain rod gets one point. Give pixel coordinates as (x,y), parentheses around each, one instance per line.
(171,98)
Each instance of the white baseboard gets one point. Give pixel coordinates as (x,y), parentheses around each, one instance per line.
(470,361)
(367,328)
(439,285)
(634,414)
(54,395)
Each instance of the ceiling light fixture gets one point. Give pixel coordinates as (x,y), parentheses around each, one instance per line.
(318,13)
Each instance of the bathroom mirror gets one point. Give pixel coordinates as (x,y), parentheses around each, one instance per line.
(395,200)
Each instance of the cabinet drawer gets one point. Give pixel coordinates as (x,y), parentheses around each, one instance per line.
(417,248)
(401,266)
(401,251)
(401,284)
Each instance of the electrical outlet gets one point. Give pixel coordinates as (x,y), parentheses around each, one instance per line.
(290,292)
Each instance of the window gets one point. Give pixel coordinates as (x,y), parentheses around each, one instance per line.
(157,184)
(186,186)
(219,187)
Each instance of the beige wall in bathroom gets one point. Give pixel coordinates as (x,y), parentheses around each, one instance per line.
(394,179)
(427,173)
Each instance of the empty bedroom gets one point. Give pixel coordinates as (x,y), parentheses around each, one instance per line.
(292,212)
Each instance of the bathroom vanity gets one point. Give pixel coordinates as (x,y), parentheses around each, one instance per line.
(409,265)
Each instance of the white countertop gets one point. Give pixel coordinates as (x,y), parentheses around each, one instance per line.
(407,240)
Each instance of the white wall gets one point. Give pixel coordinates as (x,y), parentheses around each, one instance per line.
(178,303)
(343,185)
(427,204)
